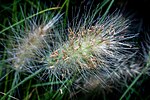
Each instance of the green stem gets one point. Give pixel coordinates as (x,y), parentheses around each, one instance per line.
(26,79)
(48,9)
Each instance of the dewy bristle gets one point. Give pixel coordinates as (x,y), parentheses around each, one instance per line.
(51,22)
(32,43)
(101,51)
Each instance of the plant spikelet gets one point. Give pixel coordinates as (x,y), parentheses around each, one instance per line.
(29,44)
(96,54)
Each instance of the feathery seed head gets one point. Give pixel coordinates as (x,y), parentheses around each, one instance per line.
(97,53)
(31,43)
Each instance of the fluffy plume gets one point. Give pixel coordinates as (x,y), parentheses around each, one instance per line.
(96,53)
(29,44)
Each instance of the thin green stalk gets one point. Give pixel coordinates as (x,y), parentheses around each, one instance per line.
(63,5)
(14,83)
(63,89)
(14,10)
(6,81)
(66,13)
(99,7)
(17,85)
(2,64)
(37,94)
(27,91)
(45,10)
(135,80)
(9,96)
(48,83)
(107,10)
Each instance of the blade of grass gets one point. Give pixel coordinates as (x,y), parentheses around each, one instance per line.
(99,7)
(14,83)
(48,83)
(66,12)
(14,10)
(135,80)
(63,5)
(6,81)
(45,10)
(63,89)
(9,96)
(27,91)
(26,79)
(106,12)
(38,97)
